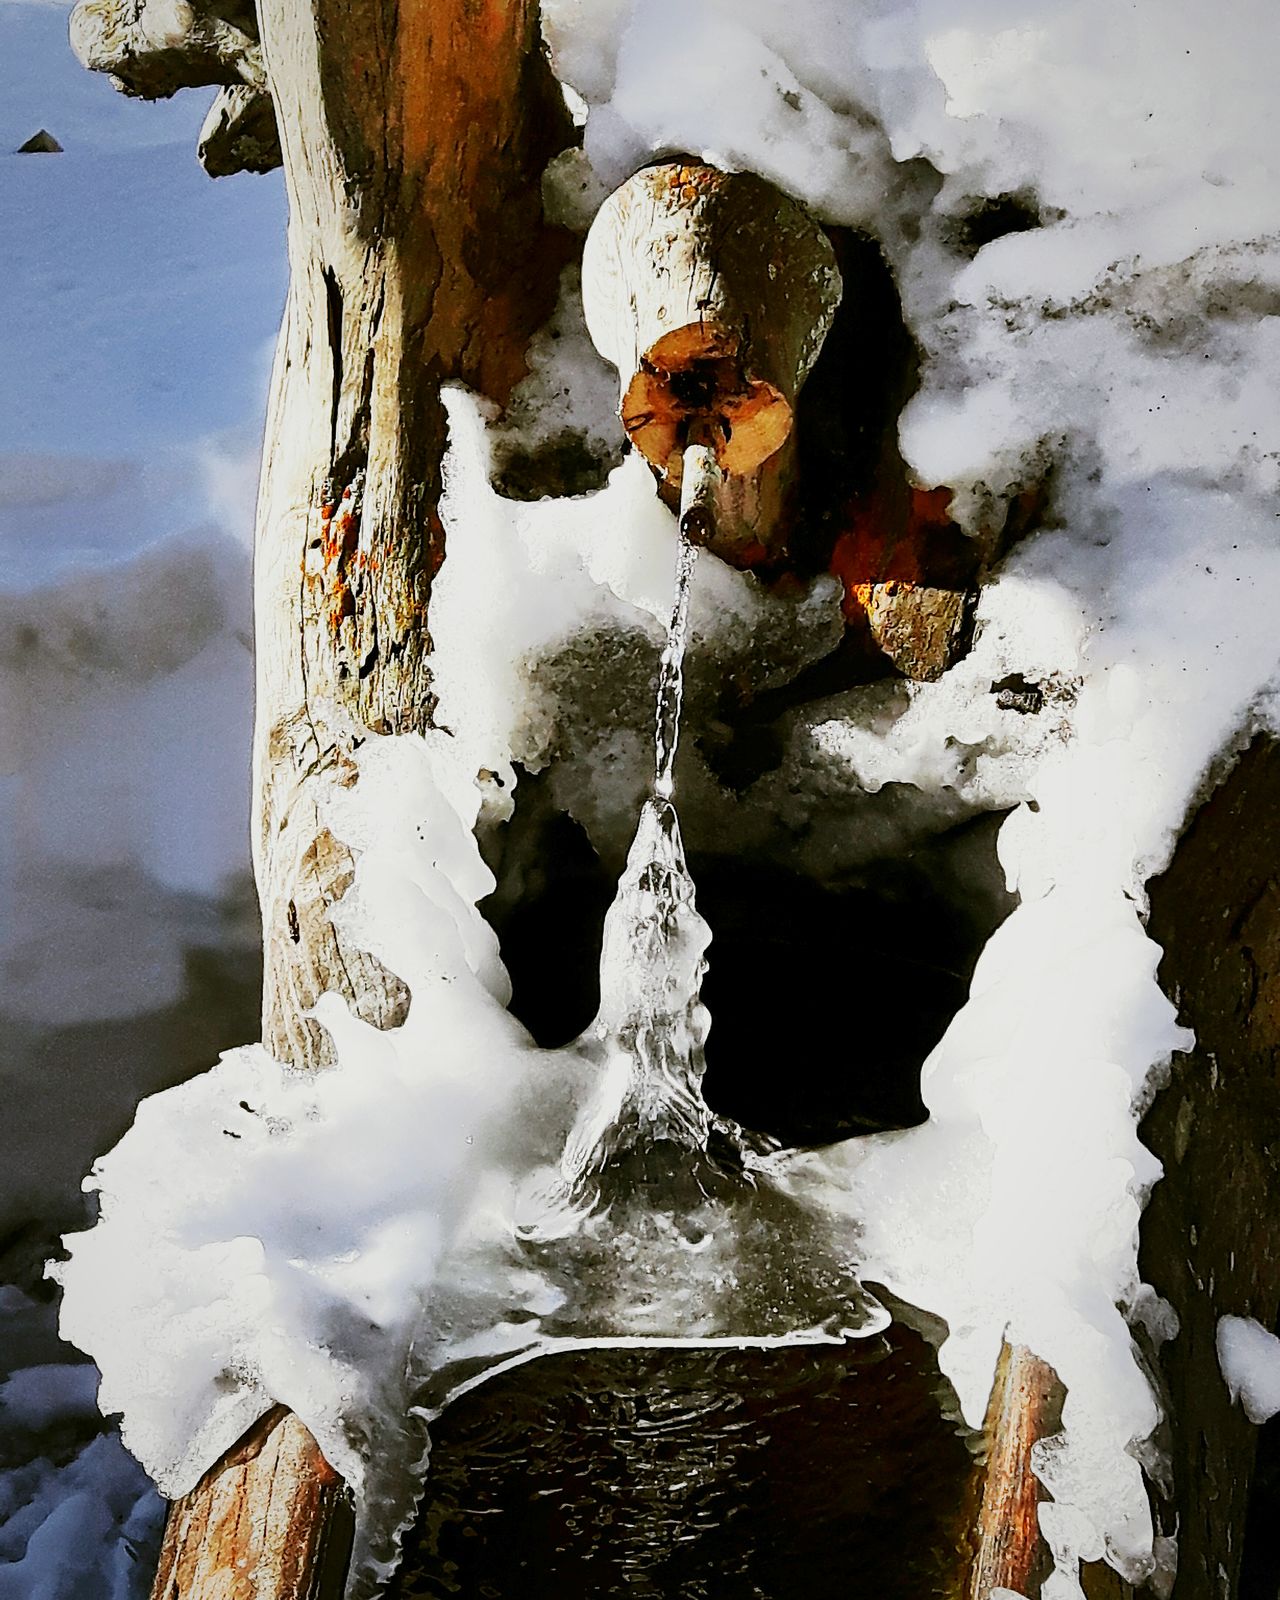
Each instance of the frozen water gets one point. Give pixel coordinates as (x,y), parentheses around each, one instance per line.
(652,1024)
(1249,1357)
(664,1221)
(444,1241)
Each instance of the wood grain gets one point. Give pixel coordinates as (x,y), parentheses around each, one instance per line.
(1010,1553)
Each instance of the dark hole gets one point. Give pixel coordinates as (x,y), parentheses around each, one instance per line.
(825,999)
(1016,693)
(787,1474)
(824,1002)
(847,413)
(548,912)
(567,464)
(992,218)
(748,740)
(696,385)
(1260,1563)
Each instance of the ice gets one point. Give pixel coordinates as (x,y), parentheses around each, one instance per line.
(1249,1358)
(482,1199)
(652,1026)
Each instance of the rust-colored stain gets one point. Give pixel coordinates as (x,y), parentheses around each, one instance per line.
(342,559)
(897,547)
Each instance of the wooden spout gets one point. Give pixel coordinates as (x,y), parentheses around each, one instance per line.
(711,292)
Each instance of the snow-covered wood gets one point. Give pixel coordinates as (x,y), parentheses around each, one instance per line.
(413,138)
(272,1520)
(405,219)
(711,293)
(154,48)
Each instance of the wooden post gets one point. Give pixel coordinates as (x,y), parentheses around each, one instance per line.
(711,292)
(413,135)
(271,1519)
(1010,1553)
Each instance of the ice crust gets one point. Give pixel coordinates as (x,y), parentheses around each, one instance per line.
(1129,342)
(1249,1359)
(356,1251)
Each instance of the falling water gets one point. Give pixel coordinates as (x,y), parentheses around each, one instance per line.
(671,674)
(663,1225)
(651,1028)
(661,1219)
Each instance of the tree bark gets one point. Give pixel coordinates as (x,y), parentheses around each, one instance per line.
(1024,1401)
(271,1519)
(413,138)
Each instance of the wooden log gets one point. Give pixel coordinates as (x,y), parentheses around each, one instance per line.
(413,134)
(272,1519)
(911,578)
(154,48)
(711,293)
(1024,1405)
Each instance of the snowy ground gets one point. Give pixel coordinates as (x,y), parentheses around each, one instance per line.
(140,300)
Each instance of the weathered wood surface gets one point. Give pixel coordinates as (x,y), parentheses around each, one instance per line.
(711,293)
(272,1519)
(911,578)
(413,136)
(154,48)
(1024,1405)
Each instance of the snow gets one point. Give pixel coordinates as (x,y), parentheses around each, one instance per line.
(78,1518)
(1249,1358)
(140,306)
(1130,343)
(141,303)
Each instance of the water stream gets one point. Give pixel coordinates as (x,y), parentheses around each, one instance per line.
(652,1026)
(719,1410)
(660,1219)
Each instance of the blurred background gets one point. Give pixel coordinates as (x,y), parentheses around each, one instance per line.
(140,302)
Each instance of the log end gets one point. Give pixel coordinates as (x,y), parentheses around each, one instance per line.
(690,385)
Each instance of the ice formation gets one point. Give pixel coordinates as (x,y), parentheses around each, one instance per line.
(482,1199)
(1127,340)
(1249,1358)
